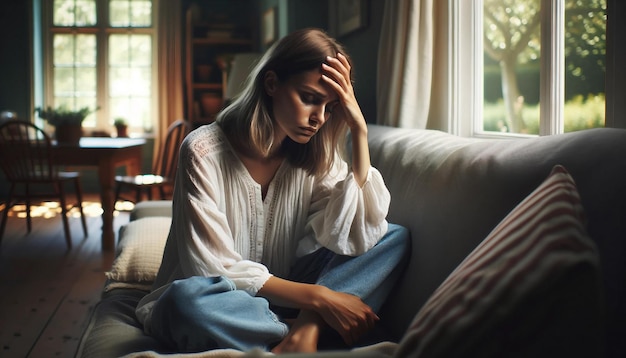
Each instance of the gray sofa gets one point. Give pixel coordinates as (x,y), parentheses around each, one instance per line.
(451,192)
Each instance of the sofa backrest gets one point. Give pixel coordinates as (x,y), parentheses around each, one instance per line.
(451,192)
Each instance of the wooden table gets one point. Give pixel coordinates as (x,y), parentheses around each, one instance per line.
(106,154)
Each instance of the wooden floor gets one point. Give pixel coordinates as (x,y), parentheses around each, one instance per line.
(46,290)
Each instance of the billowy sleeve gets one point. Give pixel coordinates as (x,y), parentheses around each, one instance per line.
(200,238)
(344,217)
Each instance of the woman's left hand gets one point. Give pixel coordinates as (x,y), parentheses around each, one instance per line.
(336,73)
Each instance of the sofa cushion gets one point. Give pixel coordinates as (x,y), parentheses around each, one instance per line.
(531,288)
(113,330)
(139,255)
(150,208)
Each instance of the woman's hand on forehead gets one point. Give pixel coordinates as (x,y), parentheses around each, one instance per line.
(336,73)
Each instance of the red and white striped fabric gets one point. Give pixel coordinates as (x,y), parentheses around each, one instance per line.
(492,295)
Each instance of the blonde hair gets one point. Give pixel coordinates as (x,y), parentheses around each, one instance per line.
(248,122)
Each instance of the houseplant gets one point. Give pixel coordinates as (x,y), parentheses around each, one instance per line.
(67,123)
(121,126)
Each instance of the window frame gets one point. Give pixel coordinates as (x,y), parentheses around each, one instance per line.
(465,19)
(102,31)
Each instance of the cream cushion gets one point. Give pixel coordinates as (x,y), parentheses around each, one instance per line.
(139,254)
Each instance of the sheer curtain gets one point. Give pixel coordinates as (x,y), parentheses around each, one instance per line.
(412,59)
(170,47)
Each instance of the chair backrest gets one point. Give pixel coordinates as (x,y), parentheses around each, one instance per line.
(25,152)
(167,160)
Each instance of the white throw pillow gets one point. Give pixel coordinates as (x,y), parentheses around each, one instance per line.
(139,253)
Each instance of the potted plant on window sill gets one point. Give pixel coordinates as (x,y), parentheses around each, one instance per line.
(68,124)
(121,126)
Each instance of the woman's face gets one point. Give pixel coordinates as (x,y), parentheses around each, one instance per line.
(301,104)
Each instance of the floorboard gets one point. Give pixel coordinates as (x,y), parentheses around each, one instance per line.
(47,291)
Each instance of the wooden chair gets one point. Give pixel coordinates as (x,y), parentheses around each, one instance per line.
(163,173)
(25,158)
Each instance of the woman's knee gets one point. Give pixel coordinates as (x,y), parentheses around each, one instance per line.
(197,314)
(398,236)
(184,298)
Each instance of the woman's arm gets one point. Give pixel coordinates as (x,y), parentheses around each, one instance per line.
(337,75)
(343,312)
(202,241)
(360,156)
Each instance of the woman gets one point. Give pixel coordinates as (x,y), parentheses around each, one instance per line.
(266,212)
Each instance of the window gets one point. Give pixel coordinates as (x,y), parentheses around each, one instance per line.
(100,54)
(537,66)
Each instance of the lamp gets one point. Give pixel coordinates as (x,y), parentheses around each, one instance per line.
(241,66)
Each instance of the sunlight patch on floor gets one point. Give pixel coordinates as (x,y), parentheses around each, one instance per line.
(51,209)
(124,206)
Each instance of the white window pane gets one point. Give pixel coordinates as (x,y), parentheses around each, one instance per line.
(86,50)
(141,47)
(130,82)
(585,51)
(63,82)
(74,13)
(85,81)
(119,13)
(70,50)
(135,110)
(63,14)
(127,81)
(141,13)
(142,78)
(75,71)
(511,66)
(85,12)
(119,81)
(130,78)
(130,65)
(74,82)
(119,50)
(63,50)
(130,13)
(120,107)
(130,50)
(75,61)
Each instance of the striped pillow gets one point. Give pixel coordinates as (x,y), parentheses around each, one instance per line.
(531,288)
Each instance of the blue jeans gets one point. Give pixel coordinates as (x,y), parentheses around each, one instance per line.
(202,313)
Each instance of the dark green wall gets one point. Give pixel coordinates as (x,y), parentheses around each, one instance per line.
(14,63)
(305,13)
(15,59)
(363,47)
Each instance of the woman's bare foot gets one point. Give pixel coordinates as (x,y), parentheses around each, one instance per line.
(303,334)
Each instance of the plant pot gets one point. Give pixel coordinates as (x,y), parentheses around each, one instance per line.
(68,134)
(122,131)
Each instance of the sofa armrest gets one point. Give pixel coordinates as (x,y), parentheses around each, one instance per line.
(151,208)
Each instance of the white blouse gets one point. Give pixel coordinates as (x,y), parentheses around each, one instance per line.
(222,226)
